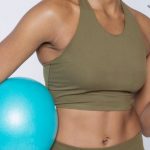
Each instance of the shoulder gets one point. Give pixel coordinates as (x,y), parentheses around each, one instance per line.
(143,21)
(53,8)
(46,18)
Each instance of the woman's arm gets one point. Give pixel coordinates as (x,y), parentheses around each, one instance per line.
(142,103)
(142,98)
(38,25)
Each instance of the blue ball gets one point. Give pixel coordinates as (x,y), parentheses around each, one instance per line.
(28,116)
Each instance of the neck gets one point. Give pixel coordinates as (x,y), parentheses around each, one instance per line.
(106,6)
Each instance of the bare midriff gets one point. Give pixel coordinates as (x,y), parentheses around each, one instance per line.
(93,129)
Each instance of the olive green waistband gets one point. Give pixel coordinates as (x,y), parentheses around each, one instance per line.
(135,143)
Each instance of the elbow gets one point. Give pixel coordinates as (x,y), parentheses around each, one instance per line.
(145,122)
(145,126)
(146,133)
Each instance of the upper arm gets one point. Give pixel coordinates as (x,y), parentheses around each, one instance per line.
(35,27)
(142,98)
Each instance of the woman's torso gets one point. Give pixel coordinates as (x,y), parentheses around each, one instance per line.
(88,128)
(96,128)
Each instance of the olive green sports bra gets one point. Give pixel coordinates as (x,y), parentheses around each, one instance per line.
(98,70)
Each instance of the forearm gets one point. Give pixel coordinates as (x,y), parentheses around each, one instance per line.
(142,108)
(145,121)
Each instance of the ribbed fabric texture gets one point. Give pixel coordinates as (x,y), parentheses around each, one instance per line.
(98,70)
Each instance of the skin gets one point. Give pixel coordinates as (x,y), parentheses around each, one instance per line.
(46,30)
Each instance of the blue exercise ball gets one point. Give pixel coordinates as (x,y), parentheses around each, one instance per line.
(28,116)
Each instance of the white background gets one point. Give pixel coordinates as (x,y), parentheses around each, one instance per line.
(12,11)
